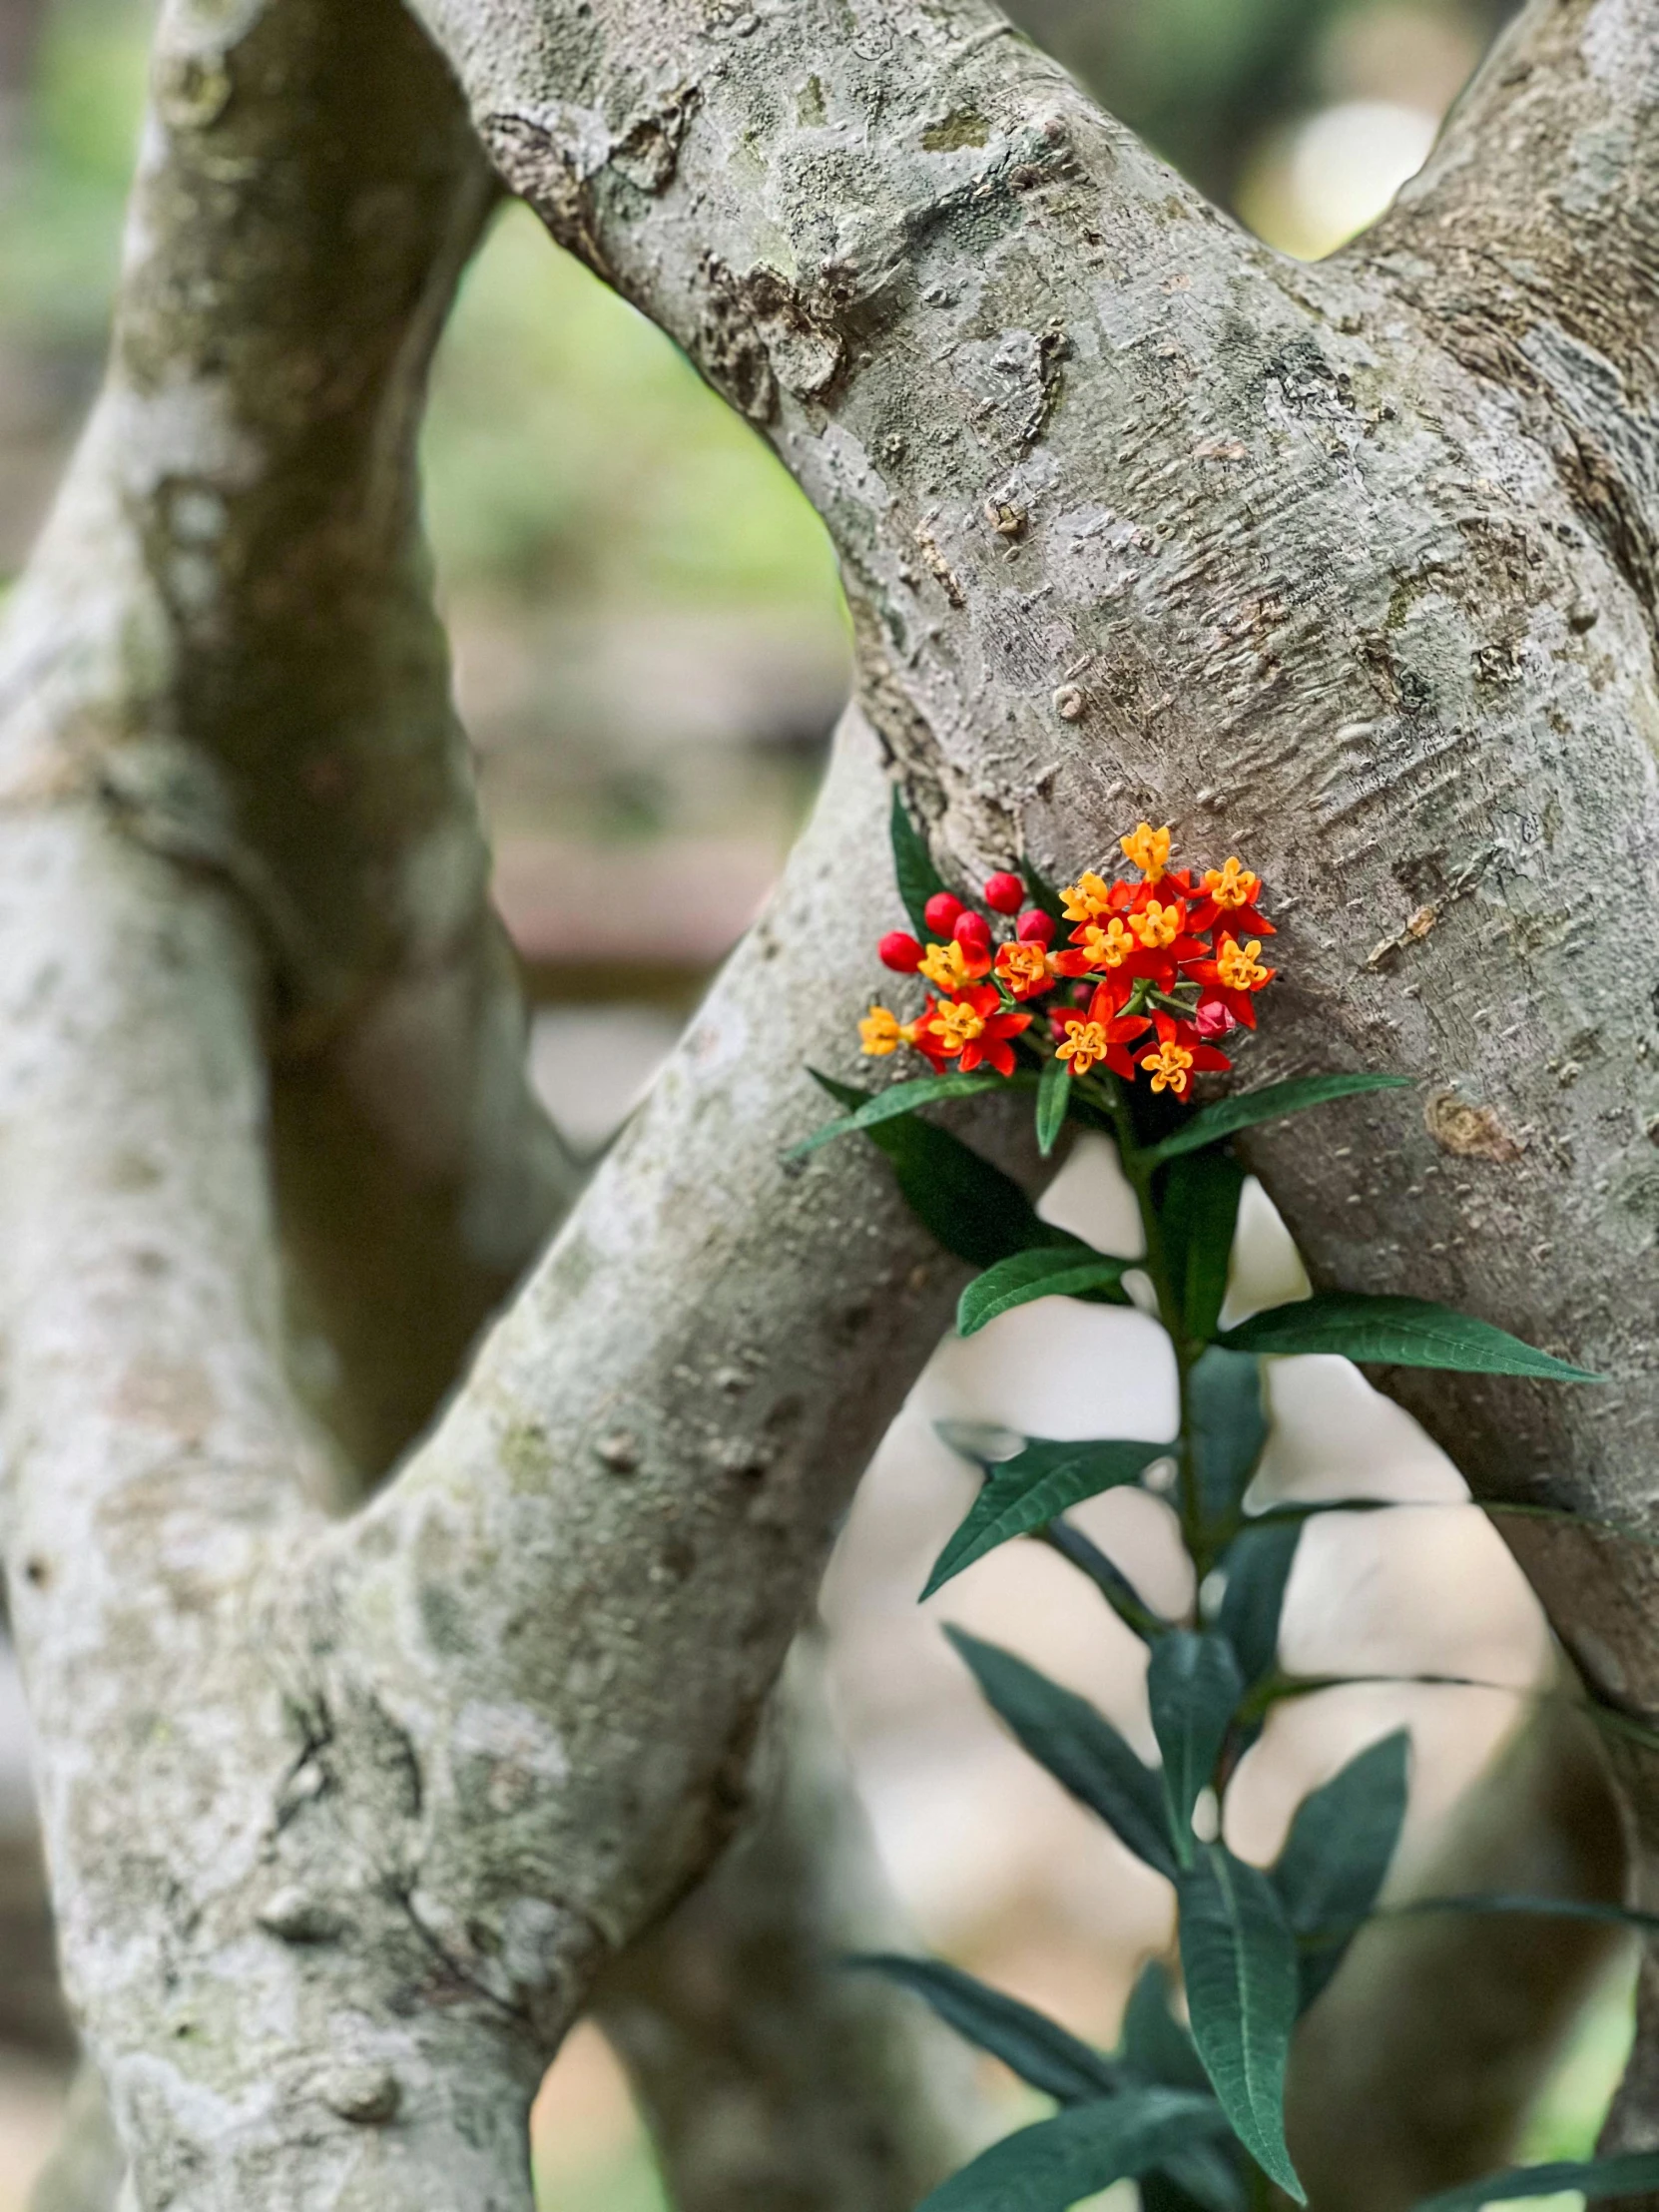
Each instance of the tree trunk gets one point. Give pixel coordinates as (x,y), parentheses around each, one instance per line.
(1350,566)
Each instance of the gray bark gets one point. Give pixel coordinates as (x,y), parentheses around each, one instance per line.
(245,674)
(1422,2060)
(346,1818)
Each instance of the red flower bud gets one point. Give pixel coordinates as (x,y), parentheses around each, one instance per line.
(1035,927)
(899,952)
(940,914)
(972,933)
(1003,893)
(1213,1019)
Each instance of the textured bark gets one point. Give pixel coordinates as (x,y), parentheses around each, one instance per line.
(774,2079)
(1302,568)
(257,685)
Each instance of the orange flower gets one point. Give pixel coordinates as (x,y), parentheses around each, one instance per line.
(952,966)
(1238,969)
(1098,1037)
(880,1034)
(1147,849)
(1227,900)
(1158,925)
(1088,899)
(972,1029)
(1170,1067)
(1025,969)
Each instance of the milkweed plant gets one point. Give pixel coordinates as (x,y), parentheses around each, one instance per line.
(1106,1002)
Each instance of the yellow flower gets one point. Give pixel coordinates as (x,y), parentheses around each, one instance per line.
(948,968)
(1147,849)
(880,1034)
(1232,884)
(1158,926)
(956,1024)
(1085,1043)
(1108,947)
(1238,966)
(1087,898)
(1023,968)
(1169,1067)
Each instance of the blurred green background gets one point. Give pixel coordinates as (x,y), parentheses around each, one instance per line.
(649,634)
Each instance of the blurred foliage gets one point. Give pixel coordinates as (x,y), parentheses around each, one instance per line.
(570,448)
(66,180)
(1207,80)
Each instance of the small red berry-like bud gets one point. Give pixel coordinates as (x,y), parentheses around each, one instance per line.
(1213,1019)
(1035,927)
(899,952)
(1003,893)
(972,933)
(940,913)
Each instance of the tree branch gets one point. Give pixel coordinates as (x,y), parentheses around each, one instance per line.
(770,2074)
(1317,588)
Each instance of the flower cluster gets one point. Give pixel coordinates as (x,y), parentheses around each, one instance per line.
(1154,973)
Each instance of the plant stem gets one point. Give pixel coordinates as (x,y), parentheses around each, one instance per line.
(1139,1176)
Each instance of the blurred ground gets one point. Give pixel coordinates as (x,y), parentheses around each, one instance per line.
(650,650)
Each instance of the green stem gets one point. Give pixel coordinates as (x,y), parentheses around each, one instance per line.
(1139,1175)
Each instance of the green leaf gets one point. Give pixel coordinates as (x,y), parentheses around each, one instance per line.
(1402,1331)
(1053,1097)
(1079,1747)
(1257,1567)
(902,1098)
(1194,1686)
(1198,1209)
(1239,1959)
(1227,1428)
(1052,1271)
(1626,2174)
(1211,1124)
(1051,2166)
(1110,1580)
(919,879)
(1040,892)
(1161,2192)
(1027,1491)
(1039,2049)
(1536,1908)
(1337,1854)
(969,1206)
(1155,2043)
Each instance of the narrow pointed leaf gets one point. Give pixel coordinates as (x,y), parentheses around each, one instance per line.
(919,879)
(1193,1685)
(1239,1959)
(1028,1492)
(1051,2166)
(1337,1856)
(1538,1908)
(1079,1747)
(1053,1097)
(1161,2192)
(1245,1109)
(1108,1578)
(1258,1565)
(1155,2045)
(1039,2049)
(1400,1331)
(1040,892)
(1625,2174)
(1228,1428)
(904,1098)
(1052,1271)
(969,1206)
(1198,1210)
